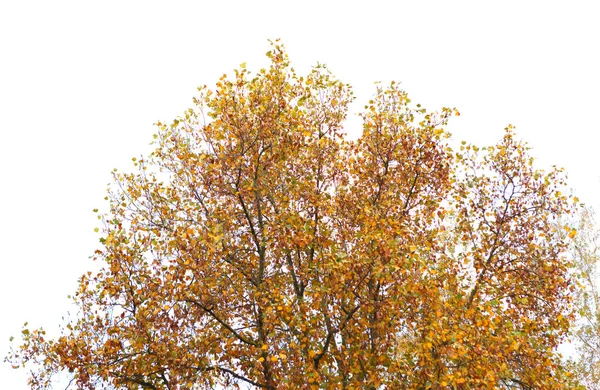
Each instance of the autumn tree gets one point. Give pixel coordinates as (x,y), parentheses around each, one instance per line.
(586,254)
(258,246)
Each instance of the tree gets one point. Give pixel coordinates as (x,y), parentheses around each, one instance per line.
(587,330)
(258,246)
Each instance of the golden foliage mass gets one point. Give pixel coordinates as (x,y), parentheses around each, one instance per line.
(258,246)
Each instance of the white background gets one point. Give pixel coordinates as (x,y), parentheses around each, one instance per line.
(82,82)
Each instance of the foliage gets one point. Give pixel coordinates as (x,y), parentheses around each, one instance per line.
(586,248)
(259,246)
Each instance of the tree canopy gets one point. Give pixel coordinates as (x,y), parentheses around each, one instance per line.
(259,246)
(586,331)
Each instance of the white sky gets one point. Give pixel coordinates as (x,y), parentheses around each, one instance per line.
(82,82)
